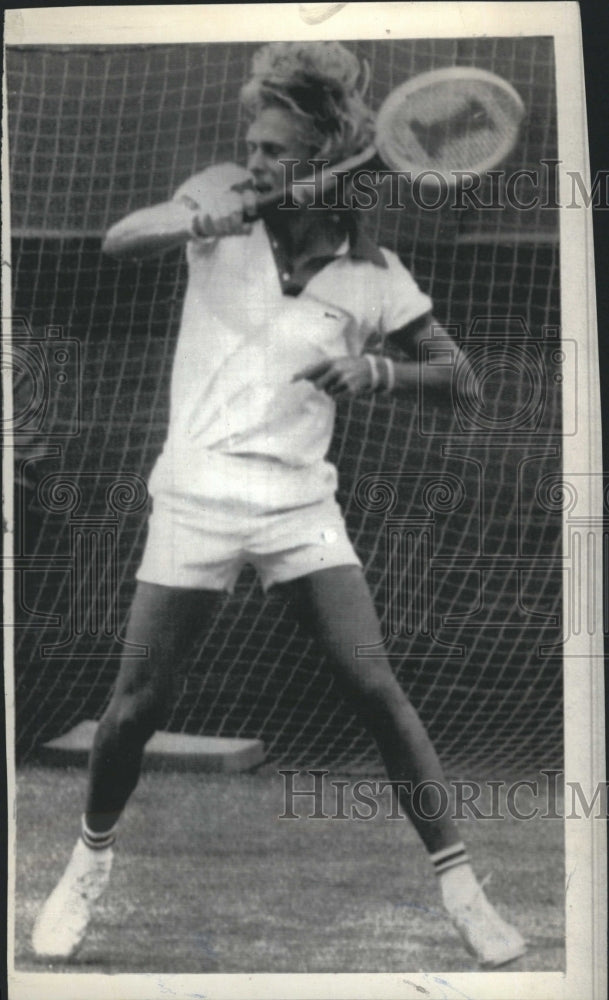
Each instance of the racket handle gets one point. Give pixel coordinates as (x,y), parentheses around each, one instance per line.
(321,182)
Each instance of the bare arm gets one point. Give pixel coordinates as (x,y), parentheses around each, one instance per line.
(172,223)
(341,377)
(150,230)
(433,356)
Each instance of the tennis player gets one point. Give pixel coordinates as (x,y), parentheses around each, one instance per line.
(277,315)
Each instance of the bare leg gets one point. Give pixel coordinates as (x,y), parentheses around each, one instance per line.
(336,607)
(166,620)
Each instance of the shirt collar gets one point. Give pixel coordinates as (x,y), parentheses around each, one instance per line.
(360,245)
(356,243)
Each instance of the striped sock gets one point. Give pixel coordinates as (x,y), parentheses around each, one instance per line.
(449,857)
(97,841)
(458,884)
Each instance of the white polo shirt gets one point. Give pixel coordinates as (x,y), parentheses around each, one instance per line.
(242,340)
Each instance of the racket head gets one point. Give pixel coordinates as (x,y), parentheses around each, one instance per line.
(447,120)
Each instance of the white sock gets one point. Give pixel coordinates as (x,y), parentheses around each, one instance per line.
(458,884)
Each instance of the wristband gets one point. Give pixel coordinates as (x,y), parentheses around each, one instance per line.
(390,378)
(375,375)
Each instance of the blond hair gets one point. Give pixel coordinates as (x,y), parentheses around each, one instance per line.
(319,83)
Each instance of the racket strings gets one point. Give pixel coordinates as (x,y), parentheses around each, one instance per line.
(449,125)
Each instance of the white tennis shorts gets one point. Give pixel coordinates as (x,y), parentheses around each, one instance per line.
(203,543)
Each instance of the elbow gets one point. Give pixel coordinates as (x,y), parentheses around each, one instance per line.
(113,244)
(124,238)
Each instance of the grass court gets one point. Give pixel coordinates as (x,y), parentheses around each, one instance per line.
(207,879)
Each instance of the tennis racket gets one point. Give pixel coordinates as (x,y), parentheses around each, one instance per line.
(460,118)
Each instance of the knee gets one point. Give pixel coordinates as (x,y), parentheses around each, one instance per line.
(134,718)
(385,711)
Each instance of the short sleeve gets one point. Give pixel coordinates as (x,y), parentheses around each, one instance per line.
(217,178)
(402,299)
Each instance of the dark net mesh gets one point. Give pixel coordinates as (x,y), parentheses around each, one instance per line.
(469,550)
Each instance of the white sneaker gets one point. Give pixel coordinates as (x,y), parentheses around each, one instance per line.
(485,934)
(62,923)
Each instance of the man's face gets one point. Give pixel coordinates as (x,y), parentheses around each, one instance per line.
(272,137)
